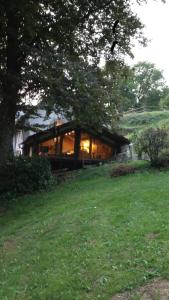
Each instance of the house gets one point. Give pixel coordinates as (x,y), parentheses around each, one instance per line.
(38,122)
(68,143)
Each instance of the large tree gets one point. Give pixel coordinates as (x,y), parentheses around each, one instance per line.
(142,88)
(148,85)
(42,43)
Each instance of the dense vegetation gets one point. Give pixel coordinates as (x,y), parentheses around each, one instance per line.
(88,239)
(148,131)
(143,87)
(23,175)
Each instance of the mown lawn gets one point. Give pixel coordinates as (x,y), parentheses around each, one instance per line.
(87,239)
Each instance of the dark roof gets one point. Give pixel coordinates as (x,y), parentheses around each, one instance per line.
(105,135)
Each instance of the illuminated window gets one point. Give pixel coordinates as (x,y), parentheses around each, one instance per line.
(68,144)
(85,146)
(100,150)
(47,147)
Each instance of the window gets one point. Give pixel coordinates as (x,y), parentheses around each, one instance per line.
(68,144)
(47,147)
(100,150)
(85,146)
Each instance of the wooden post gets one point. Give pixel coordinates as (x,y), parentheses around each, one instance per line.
(77,143)
(90,148)
(35,148)
(61,144)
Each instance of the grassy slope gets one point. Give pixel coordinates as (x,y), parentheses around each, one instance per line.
(87,239)
(136,121)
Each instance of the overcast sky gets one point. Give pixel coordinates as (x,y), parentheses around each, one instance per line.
(155,16)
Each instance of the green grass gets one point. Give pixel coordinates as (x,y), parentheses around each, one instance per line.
(136,121)
(89,238)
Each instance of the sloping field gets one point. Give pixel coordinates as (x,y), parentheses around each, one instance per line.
(136,121)
(90,238)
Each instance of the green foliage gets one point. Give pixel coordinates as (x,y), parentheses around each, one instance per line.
(164,124)
(163,159)
(54,40)
(149,82)
(151,141)
(164,102)
(24,175)
(89,99)
(142,88)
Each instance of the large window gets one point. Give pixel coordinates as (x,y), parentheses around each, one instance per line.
(47,147)
(100,150)
(91,148)
(68,144)
(85,146)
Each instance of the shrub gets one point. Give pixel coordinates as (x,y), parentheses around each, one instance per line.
(24,175)
(163,160)
(164,102)
(122,170)
(164,124)
(151,141)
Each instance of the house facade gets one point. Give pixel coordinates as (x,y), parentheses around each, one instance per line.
(67,143)
(74,141)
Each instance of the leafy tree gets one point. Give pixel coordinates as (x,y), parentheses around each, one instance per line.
(41,42)
(143,87)
(113,73)
(127,90)
(149,84)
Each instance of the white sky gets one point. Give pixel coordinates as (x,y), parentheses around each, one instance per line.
(155,16)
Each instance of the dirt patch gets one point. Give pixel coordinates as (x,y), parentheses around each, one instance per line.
(2,211)
(152,235)
(9,245)
(155,290)
(124,296)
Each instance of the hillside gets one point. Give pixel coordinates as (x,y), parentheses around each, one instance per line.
(89,238)
(133,122)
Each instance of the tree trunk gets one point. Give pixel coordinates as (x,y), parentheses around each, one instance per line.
(7,129)
(10,83)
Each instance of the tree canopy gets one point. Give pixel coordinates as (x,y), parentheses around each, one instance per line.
(143,87)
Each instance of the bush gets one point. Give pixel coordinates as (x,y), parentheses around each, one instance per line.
(163,160)
(164,102)
(122,170)
(151,141)
(164,124)
(24,175)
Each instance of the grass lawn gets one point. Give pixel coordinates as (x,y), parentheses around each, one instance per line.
(86,239)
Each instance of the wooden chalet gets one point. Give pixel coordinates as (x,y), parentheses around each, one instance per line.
(69,142)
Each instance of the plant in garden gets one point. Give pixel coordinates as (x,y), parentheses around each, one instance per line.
(151,141)
(163,160)
(122,170)
(164,102)
(24,175)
